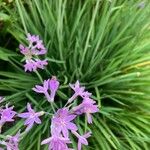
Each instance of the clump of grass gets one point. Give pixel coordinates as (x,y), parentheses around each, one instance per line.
(105,44)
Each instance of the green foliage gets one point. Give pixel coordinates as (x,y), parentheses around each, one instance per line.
(105,44)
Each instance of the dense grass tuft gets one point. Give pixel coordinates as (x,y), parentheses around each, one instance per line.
(105,44)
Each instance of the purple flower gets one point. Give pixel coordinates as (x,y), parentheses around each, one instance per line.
(32,117)
(57,143)
(41,63)
(35,48)
(6,115)
(82,139)
(79,91)
(32,38)
(51,85)
(33,65)
(87,107)
(13,142)
(25,51)
(61,122)
(43,89)
(30,65)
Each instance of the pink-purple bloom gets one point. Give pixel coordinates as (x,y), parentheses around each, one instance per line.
(49,88)
(82,139)
(31,116)
(62,122)
(6,115)
(57,143)
(79,91)
(36,44)
(34,49)
(88,107)
(33,65)
(53,86)
(13,142)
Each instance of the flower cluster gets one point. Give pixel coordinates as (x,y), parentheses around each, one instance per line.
(63,120)
(32,117)
(31,53)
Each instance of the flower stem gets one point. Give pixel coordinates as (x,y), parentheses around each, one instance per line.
(39,76)
(85,125)
(52,105)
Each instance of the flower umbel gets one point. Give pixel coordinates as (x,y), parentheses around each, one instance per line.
(32,117)
(31,52)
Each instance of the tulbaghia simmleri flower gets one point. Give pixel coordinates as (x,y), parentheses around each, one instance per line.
(36,45)
(35,48)
(6,115)
(79,91)
(88,107)
(43,89)
(49,88)
(31,116)
(53,87)
(33,65)
(62,122)
(57,143)
(82,139)
(13,142)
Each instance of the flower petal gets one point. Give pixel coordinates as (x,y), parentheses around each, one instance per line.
(70,118)
(37,120)
(24,115)
(46,141)
(72,126)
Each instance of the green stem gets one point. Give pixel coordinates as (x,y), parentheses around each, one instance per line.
(85,125)
(39,76)
(52,105)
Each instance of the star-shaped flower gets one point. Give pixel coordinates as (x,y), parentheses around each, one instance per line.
(53,86)
(61,122)
(13,142)
(88,107)
(49,88)
(57,143)
(33,65)
(79,91)
(6,115)
(32,117)
(82,139)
